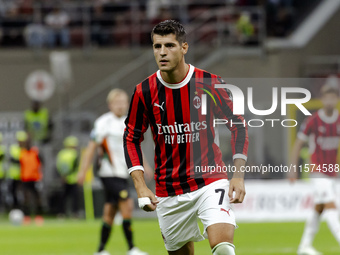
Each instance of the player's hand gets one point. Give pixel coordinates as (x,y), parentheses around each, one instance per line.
(81,178)
(146,192)
(292,178)
(237,185)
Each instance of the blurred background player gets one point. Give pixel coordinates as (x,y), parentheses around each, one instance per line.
(323,127)
(38,124)
(13,172)
(67,163)
(108,134)
(31,175)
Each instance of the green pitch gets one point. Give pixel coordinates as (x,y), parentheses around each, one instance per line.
(81,238)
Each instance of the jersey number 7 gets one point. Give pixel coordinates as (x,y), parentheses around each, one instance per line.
(222,195)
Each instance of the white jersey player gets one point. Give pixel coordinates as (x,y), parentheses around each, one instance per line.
(107,134)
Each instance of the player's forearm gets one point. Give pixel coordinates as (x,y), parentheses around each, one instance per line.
(239,132)
(239,164)
(85,164)
(138,180)
(295,158)
(88,157)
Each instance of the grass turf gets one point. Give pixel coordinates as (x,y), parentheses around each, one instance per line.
(68,237)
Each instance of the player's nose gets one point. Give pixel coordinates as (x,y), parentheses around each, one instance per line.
(162,52)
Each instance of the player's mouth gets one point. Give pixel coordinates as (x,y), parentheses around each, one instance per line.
(163,62)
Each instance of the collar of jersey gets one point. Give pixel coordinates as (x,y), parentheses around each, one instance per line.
(177,85)
(327,119)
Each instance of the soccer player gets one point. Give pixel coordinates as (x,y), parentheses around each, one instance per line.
(108,134)
(323,127)
(184,142)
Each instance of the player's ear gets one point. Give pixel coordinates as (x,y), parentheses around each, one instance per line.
(185,47)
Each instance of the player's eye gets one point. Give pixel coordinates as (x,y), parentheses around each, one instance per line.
(157,46)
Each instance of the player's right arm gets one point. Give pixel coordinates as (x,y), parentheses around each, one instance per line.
(295,155)
(86,161)
(302,137)
(136,124)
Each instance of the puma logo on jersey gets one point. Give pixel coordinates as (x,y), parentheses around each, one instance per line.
(224,210)
(160,106)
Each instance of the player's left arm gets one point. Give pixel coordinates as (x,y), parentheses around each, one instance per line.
(235,123)
(239,142)
(237,183)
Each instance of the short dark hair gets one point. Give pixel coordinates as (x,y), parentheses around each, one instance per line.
(170,27)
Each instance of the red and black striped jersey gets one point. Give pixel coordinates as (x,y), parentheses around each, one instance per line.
(323,133)
(186,154)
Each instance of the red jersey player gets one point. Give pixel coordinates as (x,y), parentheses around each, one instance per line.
(322,129)
(184,145)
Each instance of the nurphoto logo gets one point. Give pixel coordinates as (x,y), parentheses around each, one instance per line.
(239,105)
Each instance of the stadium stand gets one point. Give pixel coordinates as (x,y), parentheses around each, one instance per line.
(127,23)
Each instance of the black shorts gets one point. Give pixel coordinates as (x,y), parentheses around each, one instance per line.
(115,189)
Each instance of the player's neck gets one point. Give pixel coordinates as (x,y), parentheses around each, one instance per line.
(117,115)
(329,113)
(177,75)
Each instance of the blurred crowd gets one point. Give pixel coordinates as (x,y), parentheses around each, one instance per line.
(38,23)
